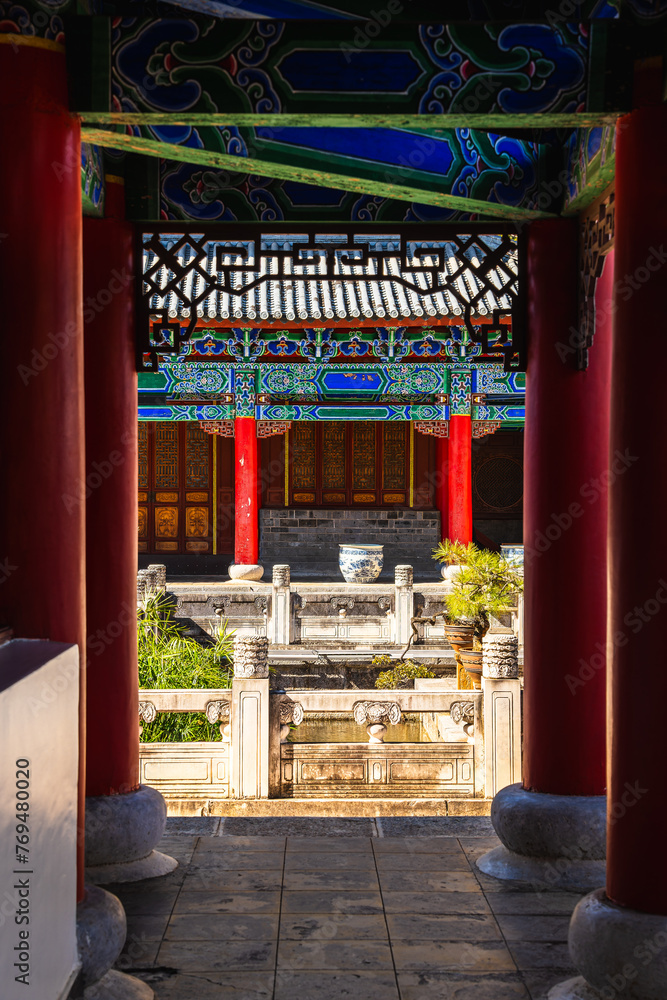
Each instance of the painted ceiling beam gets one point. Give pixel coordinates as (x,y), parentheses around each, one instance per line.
(321,178)
(435,124)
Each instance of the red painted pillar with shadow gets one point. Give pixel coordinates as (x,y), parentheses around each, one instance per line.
(565,526)
(617,936)
(553,827)
(442,484)
(124,820)
(246,530)
(460,478)
(637,525)
(41,405)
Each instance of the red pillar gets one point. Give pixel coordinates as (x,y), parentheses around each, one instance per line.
(460,478)
(442,483)
(637,802)
(566,453)
(41,408)
(246,539)
(111,529)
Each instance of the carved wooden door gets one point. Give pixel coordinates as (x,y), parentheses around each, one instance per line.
(349,464)
(175,488)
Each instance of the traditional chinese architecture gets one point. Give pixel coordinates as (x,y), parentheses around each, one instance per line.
(332,242)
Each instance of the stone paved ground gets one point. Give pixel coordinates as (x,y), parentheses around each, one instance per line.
(317,909)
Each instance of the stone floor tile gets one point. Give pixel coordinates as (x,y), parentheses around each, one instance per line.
(423,862)
(214,986)
(443,927)
(228,843)
(541,955)
(328,845)
(455,956)
(301,861)
(224,843)
(353,956)
(199,826)
(416,845)
(222,927)
(333,926)
(232,881)
(479,844)
(238,860)
(449,986)
(336,985)
(435,902)
(332,902)
(212,956)
(331,880)
(295,826)
(532,902)
(215,901)
(150,926)
(442,826)
(442,881)
(534,927)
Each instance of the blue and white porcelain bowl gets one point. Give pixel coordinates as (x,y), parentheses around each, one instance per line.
(360,563)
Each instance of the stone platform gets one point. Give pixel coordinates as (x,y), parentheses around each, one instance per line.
(272,909)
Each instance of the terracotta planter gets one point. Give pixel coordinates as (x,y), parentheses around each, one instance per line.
(472,661)
(459,636)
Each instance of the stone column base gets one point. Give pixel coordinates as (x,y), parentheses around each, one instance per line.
(121,832)
(620,952)
(119,986)
(241,571)
(101,929)
(550,841)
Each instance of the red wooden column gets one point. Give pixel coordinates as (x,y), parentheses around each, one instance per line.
(559,814)
(637,530)
(460,478)
(246,532)
(124,820)
(442,483)
(618,938)
(111,528)
(41,406)
(565,528)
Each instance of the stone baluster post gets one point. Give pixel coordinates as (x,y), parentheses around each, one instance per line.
(404,604)
(249,749)
(282,624)
(502,710)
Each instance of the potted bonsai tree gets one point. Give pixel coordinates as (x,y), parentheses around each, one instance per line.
(484,586)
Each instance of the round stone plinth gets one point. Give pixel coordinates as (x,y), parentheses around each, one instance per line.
(153,865)
(573,989)
(557,841)
(121,832)
(239,571)
(619,952)
(543,873)
(118,986)
(101,929)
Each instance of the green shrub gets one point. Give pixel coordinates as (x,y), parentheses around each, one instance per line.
(170,659)
(401,672)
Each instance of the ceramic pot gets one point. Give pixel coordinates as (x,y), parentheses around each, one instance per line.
(460,636)
(360,563)
(471,659)
(449,571)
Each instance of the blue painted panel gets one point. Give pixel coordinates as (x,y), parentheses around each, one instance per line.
(312,71)
(384,145)
(347,381)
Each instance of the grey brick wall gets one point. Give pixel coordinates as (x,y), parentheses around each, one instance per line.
(309,535)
